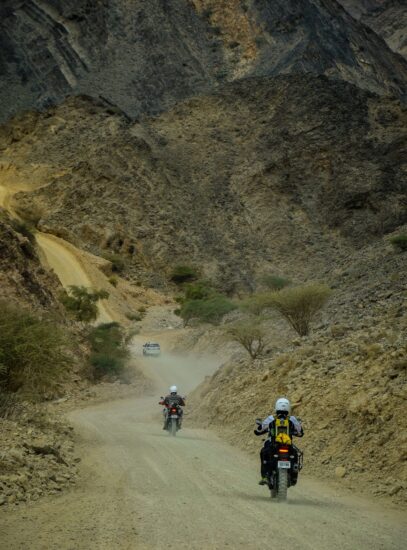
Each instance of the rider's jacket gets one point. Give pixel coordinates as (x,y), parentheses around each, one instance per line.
(295,425)
(170,400)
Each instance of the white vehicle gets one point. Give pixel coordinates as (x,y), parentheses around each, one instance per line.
(151,349)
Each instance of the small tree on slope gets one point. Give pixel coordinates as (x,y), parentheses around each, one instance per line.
(250,334)
(299,305)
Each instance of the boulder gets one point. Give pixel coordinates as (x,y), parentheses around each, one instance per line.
(340,471)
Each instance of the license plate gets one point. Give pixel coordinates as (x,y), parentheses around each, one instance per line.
(173,416)
(283,464)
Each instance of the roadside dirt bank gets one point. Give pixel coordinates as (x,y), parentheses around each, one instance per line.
(140,488)
(73,266)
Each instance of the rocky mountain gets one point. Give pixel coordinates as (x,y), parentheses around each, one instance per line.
(143,56)
(388,18)
(289,173)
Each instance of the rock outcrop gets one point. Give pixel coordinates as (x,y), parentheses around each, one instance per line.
(22,277)
(144,56)
(388,18)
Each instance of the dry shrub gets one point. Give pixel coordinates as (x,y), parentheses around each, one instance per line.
(399,242)
(33,353)
(274,282)
(10,405)
(249,334)
(285,362)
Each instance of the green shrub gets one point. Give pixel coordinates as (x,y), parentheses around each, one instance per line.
(183,274)
(299,305)
(109,352)
(113,280)
(24,228)
(82,302)
(256,303)
(200,290)
(106,365)
(134,316)
(117,261)
(399,242)
(274,282)
(250,335)
(33,353)
(211,310)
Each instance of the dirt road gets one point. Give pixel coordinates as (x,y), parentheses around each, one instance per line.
(143,489)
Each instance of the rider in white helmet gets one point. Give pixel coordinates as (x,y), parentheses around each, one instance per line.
(173,398)
(282,410)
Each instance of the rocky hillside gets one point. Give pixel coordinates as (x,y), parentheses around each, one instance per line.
(347,380)
(146,55)
(290,174)
(388,18)
(22,278)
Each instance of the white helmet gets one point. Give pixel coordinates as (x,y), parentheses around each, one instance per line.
(282,404)
(173,389)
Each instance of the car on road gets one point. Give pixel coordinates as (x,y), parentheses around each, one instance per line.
(151,349)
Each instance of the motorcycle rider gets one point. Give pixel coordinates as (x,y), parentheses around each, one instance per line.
(171,400)
(282,410)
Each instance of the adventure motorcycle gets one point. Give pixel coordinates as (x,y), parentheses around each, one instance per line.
(283,460)
(172,418)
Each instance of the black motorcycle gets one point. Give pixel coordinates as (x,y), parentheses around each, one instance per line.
(283,462)
(173,414)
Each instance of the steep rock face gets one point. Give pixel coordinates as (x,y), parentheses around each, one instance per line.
(22,279)
(140,55)
(288,173)
(388,18)
(145,55)
(313,36)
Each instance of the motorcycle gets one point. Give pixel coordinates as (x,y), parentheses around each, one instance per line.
(284,460)
(172,415)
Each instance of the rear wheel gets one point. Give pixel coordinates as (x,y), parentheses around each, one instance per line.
(273,486)
(282,485)
(173,429)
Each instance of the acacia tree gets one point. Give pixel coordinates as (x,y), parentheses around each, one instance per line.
(249,334)
(299,305)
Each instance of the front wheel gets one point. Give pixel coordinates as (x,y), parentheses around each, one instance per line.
(282,485)
(173,428)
